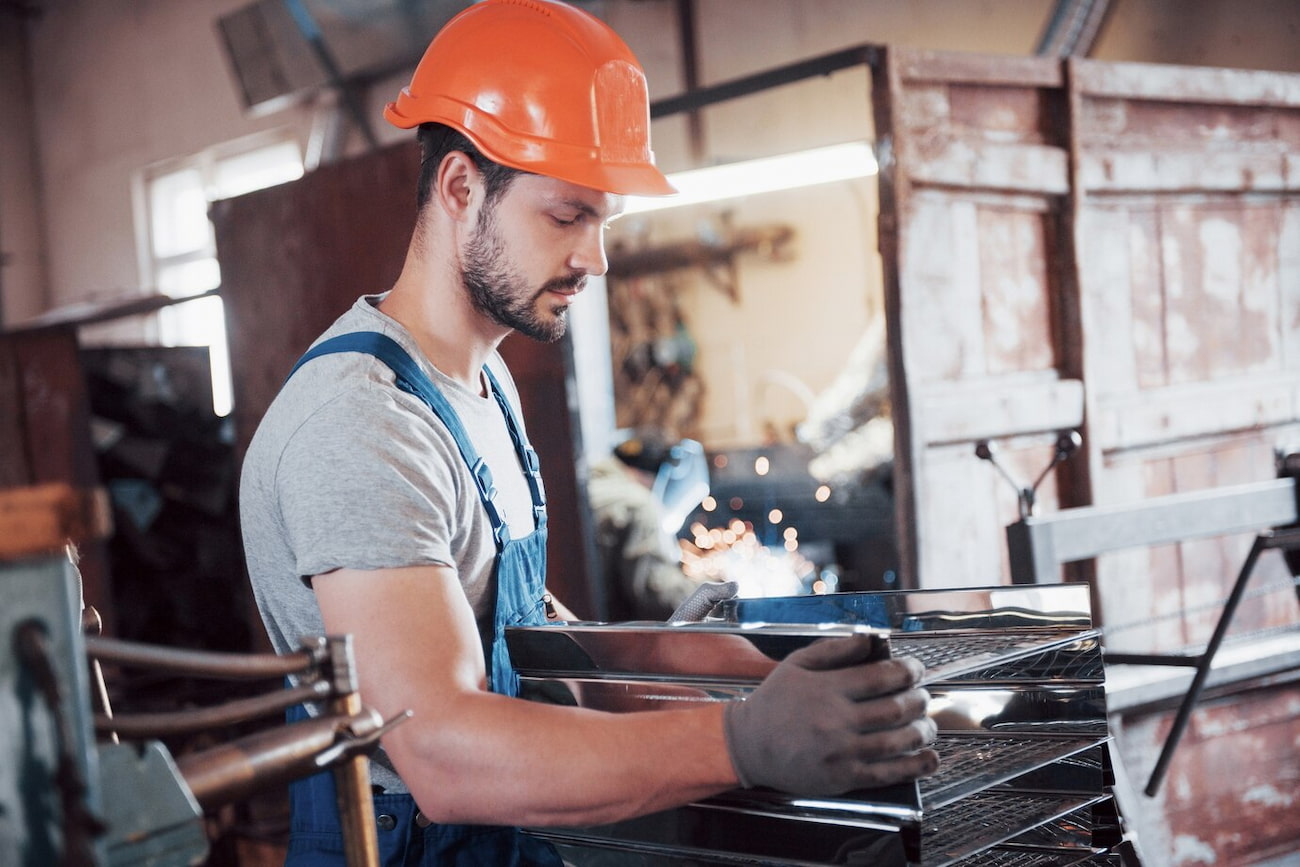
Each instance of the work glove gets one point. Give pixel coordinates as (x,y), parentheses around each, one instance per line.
(826,721)
(701,601)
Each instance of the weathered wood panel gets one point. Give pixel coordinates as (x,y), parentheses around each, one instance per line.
(1188,201)
(971,198)
(1114,247)
(1233,786)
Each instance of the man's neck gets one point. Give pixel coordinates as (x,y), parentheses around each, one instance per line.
(449,330)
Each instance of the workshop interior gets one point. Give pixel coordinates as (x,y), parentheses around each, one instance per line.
(975,326)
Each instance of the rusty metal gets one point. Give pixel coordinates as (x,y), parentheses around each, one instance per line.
(352,776)
(239,769)
(158,725)
(199,663)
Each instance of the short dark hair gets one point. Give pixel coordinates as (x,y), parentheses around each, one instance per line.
(436,141)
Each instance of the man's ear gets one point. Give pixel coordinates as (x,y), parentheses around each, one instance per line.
(456,184)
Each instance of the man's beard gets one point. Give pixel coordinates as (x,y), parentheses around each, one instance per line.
(498,291)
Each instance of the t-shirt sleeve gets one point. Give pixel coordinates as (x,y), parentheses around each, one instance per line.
(366,483)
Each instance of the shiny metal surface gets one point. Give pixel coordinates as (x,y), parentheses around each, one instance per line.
(924,610)
(676,652)
(1017,689)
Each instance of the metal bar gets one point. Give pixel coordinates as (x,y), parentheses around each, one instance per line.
(200,663)
(812,68)
(1203,668)
(1150,659)
(93,625)
(316,40)
(1079,534)
(356,809)
(77,315)
(686,28)
(236,770)
(352,776)
(144,725)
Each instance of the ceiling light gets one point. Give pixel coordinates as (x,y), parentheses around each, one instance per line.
(839,162)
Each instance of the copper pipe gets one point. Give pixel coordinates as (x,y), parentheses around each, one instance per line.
(236,770)
(356,807)
(146,725)
(201,663)
(352,777)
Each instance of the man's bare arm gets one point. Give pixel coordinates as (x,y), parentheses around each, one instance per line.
(471,756)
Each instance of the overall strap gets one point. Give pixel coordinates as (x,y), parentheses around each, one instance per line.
(527,456)
(411,379)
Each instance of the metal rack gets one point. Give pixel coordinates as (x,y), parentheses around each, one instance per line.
(1017,689)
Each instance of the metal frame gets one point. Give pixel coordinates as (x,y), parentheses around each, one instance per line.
(1038,546)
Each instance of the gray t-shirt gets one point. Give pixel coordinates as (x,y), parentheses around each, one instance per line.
(346,471)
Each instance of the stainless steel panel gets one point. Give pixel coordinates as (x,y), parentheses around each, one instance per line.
(1017,689)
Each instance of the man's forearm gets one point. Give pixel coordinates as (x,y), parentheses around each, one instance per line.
(497,760)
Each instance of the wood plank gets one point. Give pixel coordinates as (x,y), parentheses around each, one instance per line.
(963,162)
(998,407)
(1288,281)
(1137,420)
(1004,115)
(926,108)
(1116,170)
(1016,291)
(972,68)
(1126,124)
(941,338)
(1158,81)
(1114,336)
(1212,252)
(960,543)
(43,519)
(1147,311)
(1229,796)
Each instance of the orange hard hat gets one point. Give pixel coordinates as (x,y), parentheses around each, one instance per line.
(543,87)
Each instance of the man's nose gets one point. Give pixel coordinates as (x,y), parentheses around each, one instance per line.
(589,257)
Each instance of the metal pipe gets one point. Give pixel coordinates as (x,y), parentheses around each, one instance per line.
(200,663)
(236,770)
(812,68)
(147,725)
(352,776)
(93,625)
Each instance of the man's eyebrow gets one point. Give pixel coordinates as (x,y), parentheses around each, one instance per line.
(579,206)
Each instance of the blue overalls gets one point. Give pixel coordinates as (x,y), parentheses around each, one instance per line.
(406,838)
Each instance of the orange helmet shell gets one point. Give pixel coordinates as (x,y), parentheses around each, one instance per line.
(543,87)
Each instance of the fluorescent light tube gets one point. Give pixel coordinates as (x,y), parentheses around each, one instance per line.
(839,162)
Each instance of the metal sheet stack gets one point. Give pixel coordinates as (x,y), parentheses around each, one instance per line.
(1016,680)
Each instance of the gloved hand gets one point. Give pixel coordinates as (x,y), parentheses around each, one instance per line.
(701,601)
(826,721)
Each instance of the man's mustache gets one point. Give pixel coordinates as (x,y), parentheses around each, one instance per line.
(571,283)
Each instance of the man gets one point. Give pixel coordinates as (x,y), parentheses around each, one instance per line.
(641,560)
(390,493)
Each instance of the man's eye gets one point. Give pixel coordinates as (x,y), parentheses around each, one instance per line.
(572,221)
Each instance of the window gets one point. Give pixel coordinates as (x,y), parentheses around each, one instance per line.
(182,254)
